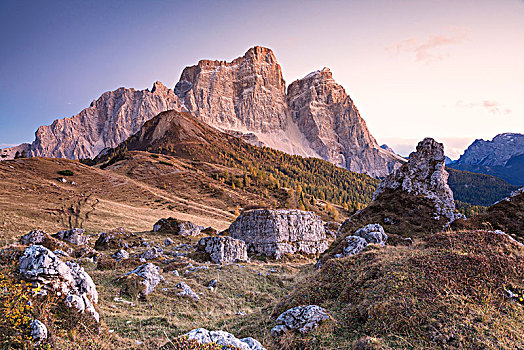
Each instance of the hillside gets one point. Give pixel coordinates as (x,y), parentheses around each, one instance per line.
(447,291)
(477,189)
(307,180)
(33,197)
(503,156)
(506,215)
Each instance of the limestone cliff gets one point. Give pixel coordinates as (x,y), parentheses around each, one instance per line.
(329,119)
(107,122)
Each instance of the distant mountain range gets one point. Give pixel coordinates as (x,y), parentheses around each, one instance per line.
(315,117)
(502,157)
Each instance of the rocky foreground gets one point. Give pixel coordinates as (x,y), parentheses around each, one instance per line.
(277,279)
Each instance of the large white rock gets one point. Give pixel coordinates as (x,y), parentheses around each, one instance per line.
(277,232)
(38,264)
(38,331)
(151,277)
(223,249)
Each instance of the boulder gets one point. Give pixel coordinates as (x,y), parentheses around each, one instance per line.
(355,245)
(42,238)
(187,291)
(75,236)
(277,232)
(372,233)
(33,237)
(39,265)
(120,254)
(223,250)
(116,239)
(177,227)
(152,253)
(223,339)
(38,331)
(147,276)
(301,318)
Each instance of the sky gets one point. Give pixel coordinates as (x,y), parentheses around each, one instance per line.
(447,69)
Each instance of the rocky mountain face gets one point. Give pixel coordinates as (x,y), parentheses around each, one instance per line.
(503,157)
(246,96)
(329,119)
(495,152)
(107,122)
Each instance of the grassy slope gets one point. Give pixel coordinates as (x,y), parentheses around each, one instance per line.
(443,292)
(32,197)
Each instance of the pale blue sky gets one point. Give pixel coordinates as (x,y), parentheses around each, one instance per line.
(452,70)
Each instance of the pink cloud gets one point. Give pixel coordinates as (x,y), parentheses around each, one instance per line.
(427,51)
(491,106)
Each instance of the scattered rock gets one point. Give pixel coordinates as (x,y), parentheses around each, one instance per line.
(33,237)
(212,284)
(38,331)
(41,238)
(277,232)
(120,254)
(75,236)
(116,239)
(168,242)
(152,253)
(224,339)
(223,250)
(187,291)
(141,281)
(177,227)
(301,318)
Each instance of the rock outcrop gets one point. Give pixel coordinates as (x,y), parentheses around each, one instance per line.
(301,318)
(223,249)
(223,339)
(424,175)
(278,232)
(331,123)
(41,266)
